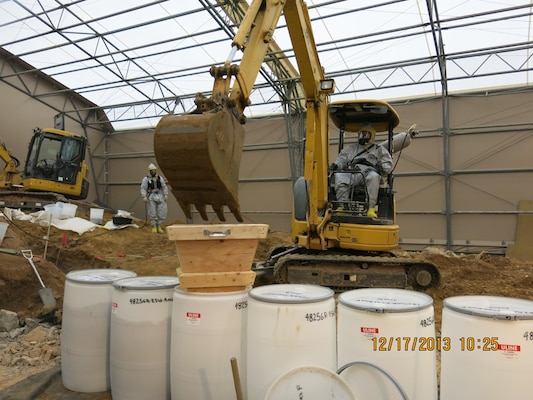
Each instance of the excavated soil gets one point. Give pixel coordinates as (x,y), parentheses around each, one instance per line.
(146,253)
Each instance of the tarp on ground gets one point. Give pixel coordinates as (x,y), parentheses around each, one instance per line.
(74,224)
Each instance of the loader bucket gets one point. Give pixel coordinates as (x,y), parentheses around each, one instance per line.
(200,154)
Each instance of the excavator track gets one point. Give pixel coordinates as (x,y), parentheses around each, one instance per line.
(346,272)
(29,200)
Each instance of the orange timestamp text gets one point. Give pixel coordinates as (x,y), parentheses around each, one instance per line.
(408,343)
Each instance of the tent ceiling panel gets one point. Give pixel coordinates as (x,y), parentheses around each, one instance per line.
(140,59)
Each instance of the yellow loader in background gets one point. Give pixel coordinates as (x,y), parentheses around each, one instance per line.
(55,170)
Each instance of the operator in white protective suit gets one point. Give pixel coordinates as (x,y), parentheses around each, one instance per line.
(369,160)
(154,192)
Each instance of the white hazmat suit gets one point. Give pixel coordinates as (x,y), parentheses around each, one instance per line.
(371,162)
(154,192)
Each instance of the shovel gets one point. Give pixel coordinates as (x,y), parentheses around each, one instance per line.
(46,294)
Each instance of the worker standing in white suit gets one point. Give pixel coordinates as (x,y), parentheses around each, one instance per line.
(154,192)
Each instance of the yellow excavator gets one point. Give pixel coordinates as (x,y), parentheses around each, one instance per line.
(55,170)
(199,153)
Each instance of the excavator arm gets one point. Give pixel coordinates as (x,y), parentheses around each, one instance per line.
(316,90)
(199,153)
(10,175)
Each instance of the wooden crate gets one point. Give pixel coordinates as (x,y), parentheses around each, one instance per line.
(216,257)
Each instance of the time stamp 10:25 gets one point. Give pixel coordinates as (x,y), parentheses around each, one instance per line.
(407,343)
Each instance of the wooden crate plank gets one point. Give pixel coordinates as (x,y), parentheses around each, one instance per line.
(216,279)
(217,289)
(217,232)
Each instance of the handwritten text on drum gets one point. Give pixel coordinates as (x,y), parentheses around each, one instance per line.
(140,300)
(319,316)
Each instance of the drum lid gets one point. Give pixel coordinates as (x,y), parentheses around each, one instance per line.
(147,283)
(98,276)
(495,307)
(291,293)
(383,300)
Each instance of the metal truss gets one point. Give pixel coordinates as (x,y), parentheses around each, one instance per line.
(279,87)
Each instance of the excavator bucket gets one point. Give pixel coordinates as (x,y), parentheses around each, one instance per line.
(200,154)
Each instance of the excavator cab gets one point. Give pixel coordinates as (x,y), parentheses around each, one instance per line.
(351,117)
(337,244)
(55,163)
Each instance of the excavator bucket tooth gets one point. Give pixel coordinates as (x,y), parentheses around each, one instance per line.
(202,210)
(220,212)
(186,207)
(200,154)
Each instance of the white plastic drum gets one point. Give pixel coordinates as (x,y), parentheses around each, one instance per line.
(85,328)
(207,332)
(490,351)
(386,344)
(288,326)
(139,354)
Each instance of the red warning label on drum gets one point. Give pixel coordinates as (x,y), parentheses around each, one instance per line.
(508,347)
(193,318)
(369,331)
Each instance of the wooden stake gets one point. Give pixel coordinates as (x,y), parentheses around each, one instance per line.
(236,378)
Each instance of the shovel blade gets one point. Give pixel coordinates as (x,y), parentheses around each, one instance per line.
(47,297)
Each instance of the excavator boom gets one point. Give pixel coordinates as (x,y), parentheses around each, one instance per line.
(199,153)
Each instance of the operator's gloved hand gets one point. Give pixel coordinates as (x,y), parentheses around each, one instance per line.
(145,199)
(412,131)
(166,197)
(379,169)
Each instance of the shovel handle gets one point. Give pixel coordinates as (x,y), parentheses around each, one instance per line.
(28,255)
